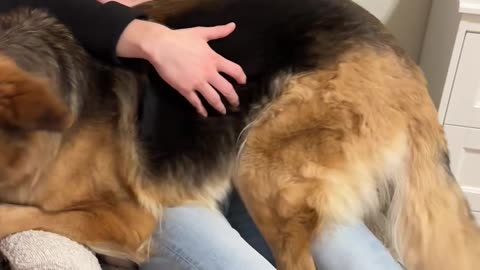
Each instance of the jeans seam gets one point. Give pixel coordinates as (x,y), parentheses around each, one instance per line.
(178,254)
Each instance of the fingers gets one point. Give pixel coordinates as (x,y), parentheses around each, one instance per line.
(212,97)
(217,32)
(225,88)
(209,91)
(232,69)
(196,102)
(190,66)
(128,3)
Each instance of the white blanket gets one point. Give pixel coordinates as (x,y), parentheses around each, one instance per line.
(38,250)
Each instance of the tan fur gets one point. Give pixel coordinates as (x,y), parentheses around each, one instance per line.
(168,8)
(319,153)
(102,199)
(26,102)
(80,197)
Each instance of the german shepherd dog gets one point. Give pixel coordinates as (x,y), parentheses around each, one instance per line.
(335,126)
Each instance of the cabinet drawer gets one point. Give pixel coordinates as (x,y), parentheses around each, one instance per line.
(477,217)
(464,147)
(464,104)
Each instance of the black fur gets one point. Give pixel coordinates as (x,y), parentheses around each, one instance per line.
(446,164)
(271,37)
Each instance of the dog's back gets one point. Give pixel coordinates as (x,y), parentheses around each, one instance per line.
(272,42)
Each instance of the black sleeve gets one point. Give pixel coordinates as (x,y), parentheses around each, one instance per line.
(96,26)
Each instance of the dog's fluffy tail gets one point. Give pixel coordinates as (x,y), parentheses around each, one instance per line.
(431,225)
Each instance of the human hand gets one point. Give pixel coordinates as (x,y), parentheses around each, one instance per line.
(184,60)
(128,3)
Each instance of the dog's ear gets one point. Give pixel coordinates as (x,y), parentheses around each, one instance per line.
(27,103)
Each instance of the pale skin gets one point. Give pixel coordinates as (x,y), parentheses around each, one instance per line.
(184,59)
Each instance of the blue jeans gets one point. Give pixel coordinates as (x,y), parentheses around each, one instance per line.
(195,238)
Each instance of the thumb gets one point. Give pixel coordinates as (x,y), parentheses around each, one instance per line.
(217,32)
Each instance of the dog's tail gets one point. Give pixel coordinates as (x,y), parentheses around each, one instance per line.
(431,226)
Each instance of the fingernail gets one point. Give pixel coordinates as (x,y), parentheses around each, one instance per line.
(203,113)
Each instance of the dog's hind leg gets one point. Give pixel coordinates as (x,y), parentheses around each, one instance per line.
(296,175)
(286,222)
(120,229)
(293,204)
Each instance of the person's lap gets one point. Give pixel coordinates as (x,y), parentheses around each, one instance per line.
(196,238)
(201,239)
(351,247)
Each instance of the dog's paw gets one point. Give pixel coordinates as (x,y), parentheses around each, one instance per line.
(27,102)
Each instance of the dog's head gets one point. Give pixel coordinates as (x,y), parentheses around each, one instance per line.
(31,117)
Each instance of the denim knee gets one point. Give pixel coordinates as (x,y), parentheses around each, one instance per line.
(196,238)
(351,247)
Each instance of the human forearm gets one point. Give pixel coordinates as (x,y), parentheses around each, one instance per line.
(96,26)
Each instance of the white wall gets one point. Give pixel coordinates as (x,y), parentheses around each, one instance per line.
(407,19)
(438,45)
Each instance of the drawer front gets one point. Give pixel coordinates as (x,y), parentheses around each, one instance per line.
(477,217)
(464,104)
(464,147)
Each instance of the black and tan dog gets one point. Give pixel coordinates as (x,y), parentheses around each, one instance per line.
(335,126)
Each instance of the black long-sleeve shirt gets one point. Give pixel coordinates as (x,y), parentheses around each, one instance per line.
(96,26)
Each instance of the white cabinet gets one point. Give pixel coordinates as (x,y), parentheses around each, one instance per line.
(464,104)
(451,62)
